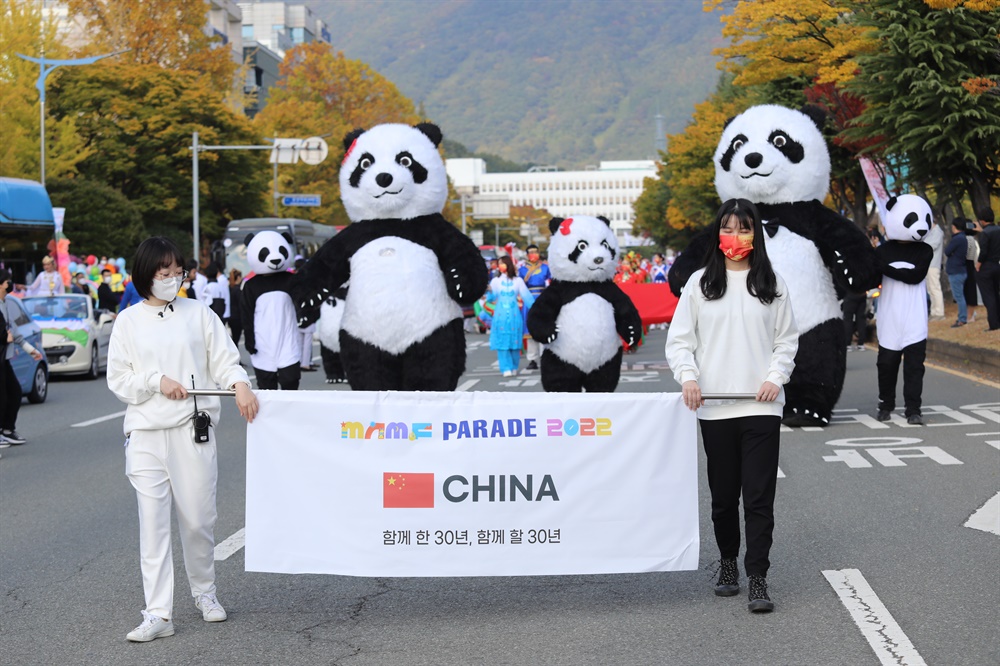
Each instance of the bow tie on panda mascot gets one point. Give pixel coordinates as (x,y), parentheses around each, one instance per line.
(411,271)
(268,312)
(902,306)
(777,158)
(582,316)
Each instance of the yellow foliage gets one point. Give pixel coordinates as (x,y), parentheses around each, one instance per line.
(773,39)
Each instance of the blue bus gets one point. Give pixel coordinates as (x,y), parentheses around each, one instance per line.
(27,226)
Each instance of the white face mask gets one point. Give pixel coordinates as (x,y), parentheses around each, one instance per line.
(107,280)
(166,289)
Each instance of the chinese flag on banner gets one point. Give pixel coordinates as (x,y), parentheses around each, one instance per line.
(406,490)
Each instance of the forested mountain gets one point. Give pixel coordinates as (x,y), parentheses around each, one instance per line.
(541,81)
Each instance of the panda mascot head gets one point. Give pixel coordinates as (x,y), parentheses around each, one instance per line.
(773,154)
(908,218)
(393,171)
(269,252)
(582,249)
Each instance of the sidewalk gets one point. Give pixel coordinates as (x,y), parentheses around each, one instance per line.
(970,348)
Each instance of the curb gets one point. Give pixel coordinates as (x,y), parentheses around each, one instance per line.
(984,361)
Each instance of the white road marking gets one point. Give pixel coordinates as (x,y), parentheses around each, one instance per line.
(781,474)
(986,517)
(982,434)
(466,385)
(109,417)
(890,644)
(994,443)
(225,550)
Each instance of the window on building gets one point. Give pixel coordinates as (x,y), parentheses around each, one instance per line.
(298,35)
(247,32)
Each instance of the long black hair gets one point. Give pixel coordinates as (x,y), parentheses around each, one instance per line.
(761,282)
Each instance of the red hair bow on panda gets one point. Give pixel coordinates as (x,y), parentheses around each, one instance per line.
(564,227)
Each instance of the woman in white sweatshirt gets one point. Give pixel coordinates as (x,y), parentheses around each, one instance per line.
(158,349)
(733,332)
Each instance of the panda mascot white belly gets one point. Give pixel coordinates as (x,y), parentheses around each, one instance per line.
(410,270)
(777,158)
(582,315)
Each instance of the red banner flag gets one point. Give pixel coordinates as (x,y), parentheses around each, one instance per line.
(405,490)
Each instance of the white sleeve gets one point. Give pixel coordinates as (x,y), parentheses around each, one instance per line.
(526,294)
(128,386)
(223,356)
(682,336)
(786,340)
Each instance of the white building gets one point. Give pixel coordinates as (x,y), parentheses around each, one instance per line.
(610,190)
(279,26)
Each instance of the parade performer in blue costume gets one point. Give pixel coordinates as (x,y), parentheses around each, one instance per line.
(536,276)
(507,332)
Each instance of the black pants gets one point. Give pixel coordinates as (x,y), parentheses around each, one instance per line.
(988,279)
(288,377)
(912,357)
(743,458)
(332,366)
(10,395)
(855,309)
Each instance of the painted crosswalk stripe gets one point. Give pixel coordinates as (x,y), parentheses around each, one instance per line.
(101,419)
(224,550)
(781,474)
(986,517)
(890,644)
(466,385)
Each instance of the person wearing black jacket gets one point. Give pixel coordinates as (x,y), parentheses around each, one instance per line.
(988,267)
(955,268)
(107,299)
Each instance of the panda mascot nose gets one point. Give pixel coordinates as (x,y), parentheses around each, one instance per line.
(384,179)
(753,160)
(598,260)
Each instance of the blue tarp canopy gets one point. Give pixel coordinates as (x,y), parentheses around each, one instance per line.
(24,202)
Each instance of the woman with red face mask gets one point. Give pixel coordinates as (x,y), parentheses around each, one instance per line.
(733,332)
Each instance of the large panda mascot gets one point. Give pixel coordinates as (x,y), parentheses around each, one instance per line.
(582,316)
(777,158)
(269,320)
(411,271)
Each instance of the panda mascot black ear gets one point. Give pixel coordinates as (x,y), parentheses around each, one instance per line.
(890,203)
(431,131)
(288,237)
(351,137)
(554,224)
(816,114)
(246,241)
(604,220)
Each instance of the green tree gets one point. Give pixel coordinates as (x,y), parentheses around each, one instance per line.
(139,121)
(917,107)
(99,219)
(321,92)
(651,207)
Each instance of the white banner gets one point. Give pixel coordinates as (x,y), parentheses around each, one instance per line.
(471,484)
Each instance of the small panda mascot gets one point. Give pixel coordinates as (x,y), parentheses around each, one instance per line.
(269,320)
(777,158)
(331,312)
(582,316)
(411,271)
(902,306)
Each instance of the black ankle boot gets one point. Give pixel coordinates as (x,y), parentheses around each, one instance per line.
(757,593)
(729,579)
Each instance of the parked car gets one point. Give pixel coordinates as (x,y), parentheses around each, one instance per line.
(32,375)
(75,335)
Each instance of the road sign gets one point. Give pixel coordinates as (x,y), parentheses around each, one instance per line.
(300,200)
(313,150)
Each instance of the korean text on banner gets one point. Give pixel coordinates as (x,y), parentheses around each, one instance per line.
(471,484)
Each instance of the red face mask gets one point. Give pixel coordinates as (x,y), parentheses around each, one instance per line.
(736,247)
(533,256)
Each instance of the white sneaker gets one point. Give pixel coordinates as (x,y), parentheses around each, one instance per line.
(211,609)
(152,627)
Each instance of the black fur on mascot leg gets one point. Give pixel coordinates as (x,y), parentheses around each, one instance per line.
(420,368)
(777,158)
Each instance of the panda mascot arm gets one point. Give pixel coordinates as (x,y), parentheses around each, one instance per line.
(628,323)
(324,273)
(462,265)
(544,312)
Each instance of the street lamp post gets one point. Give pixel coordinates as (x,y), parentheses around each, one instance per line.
(46,65)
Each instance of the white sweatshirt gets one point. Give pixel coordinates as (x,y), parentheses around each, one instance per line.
(189,339)
(733,345)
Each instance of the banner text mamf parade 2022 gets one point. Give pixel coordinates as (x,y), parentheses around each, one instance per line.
(471,484)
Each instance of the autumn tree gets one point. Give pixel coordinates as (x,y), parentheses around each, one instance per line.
(99,219)
(168,33)
(139,120)
(917,106)
(24,30)
(323,93)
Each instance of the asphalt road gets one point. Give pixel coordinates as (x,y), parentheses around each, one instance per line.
(876,511)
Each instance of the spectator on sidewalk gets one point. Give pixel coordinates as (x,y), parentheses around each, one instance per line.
(971,257)
(10,388)
(955,268)
(935,238)
(988,267)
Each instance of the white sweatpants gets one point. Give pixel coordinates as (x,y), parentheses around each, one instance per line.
(164,466)
(534,351)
